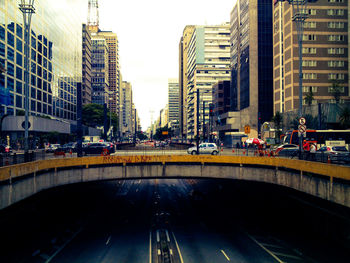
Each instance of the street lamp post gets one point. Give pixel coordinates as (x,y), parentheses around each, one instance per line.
(299,15)
(27,8)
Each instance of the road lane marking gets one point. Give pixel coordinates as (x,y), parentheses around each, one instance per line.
(159,252)
(150,247)
(63,246)
(137,190)
(109,239)
(223,252)
(264,248)
(177,246)
(167,235)
(158,238)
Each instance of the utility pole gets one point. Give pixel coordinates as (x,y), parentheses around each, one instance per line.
(27,8)
(299,15)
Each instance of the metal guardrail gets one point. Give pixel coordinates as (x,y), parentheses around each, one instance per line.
(303,167)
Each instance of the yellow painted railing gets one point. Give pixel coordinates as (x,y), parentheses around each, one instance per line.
(330,170)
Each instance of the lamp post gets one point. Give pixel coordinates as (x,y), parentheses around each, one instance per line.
(27,8)
(299,8)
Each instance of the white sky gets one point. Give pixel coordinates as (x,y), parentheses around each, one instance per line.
(149,33)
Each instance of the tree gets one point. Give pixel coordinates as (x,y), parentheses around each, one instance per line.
(92,115)
(344,118)
(277,120)
(309,97)
(336,90)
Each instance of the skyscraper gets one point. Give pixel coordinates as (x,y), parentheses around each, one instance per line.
(173,99)
(86,74)
(208,61)
(251,62)
(55,63)
(183,80)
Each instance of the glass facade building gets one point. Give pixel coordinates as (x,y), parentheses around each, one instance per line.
(55,59)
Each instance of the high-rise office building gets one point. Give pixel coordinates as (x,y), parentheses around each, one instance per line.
(208,61)
(183,81)
(100,70)
(86,67)
(173,99)
(55,63)
(126,109)
(113,70)
(325,54)
(251,62)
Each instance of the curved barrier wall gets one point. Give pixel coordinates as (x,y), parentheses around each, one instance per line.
(326,181)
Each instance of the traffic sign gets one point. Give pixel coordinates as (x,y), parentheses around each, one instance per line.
(302,130)
(247,129)
(302,121)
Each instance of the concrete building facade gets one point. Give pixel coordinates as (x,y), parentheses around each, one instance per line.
(173,99)
(183,80)
(126,109)
(113,70)
(86,67)
(100,70)
(208,61)
(251,64)
(325,54)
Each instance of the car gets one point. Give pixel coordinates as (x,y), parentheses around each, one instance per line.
(204,148)
(52,148)
(286,150)
(335,153)
(98,148)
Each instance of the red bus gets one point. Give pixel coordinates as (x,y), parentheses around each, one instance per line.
(318,136)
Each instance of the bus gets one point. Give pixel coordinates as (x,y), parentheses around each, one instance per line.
(319,137)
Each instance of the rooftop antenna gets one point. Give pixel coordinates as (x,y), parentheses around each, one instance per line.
(93,16)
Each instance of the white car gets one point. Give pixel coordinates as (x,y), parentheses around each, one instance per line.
(204,148)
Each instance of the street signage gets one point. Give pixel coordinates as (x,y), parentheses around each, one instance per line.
(247,129)
(24,125)
(302,130)
(302,121)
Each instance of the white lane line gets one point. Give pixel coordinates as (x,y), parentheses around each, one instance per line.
(171,251)
(158,238)
(137,190)
(223,252)
(288,256)
(150,247)
(109,239)
(177,246)
(264,248)
(167,236)
(159,252)
(63,246)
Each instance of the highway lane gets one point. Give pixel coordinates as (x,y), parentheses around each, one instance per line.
(161,220)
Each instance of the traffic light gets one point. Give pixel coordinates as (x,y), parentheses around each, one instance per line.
(211,109)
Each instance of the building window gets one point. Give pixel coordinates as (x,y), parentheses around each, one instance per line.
(335,12)
(309,37)
(335,51)
(340,89)
(335,1)
(336,38)
(336,76)
(309,76)
(336,64)
(310,24)
(309,50)
(336,24)
(307,89)
(309,63)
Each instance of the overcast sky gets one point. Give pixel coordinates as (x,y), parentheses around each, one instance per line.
(149,33)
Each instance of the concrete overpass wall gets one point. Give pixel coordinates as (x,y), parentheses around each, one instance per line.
(23,181)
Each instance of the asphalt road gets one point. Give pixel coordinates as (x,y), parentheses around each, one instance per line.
(168,220)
